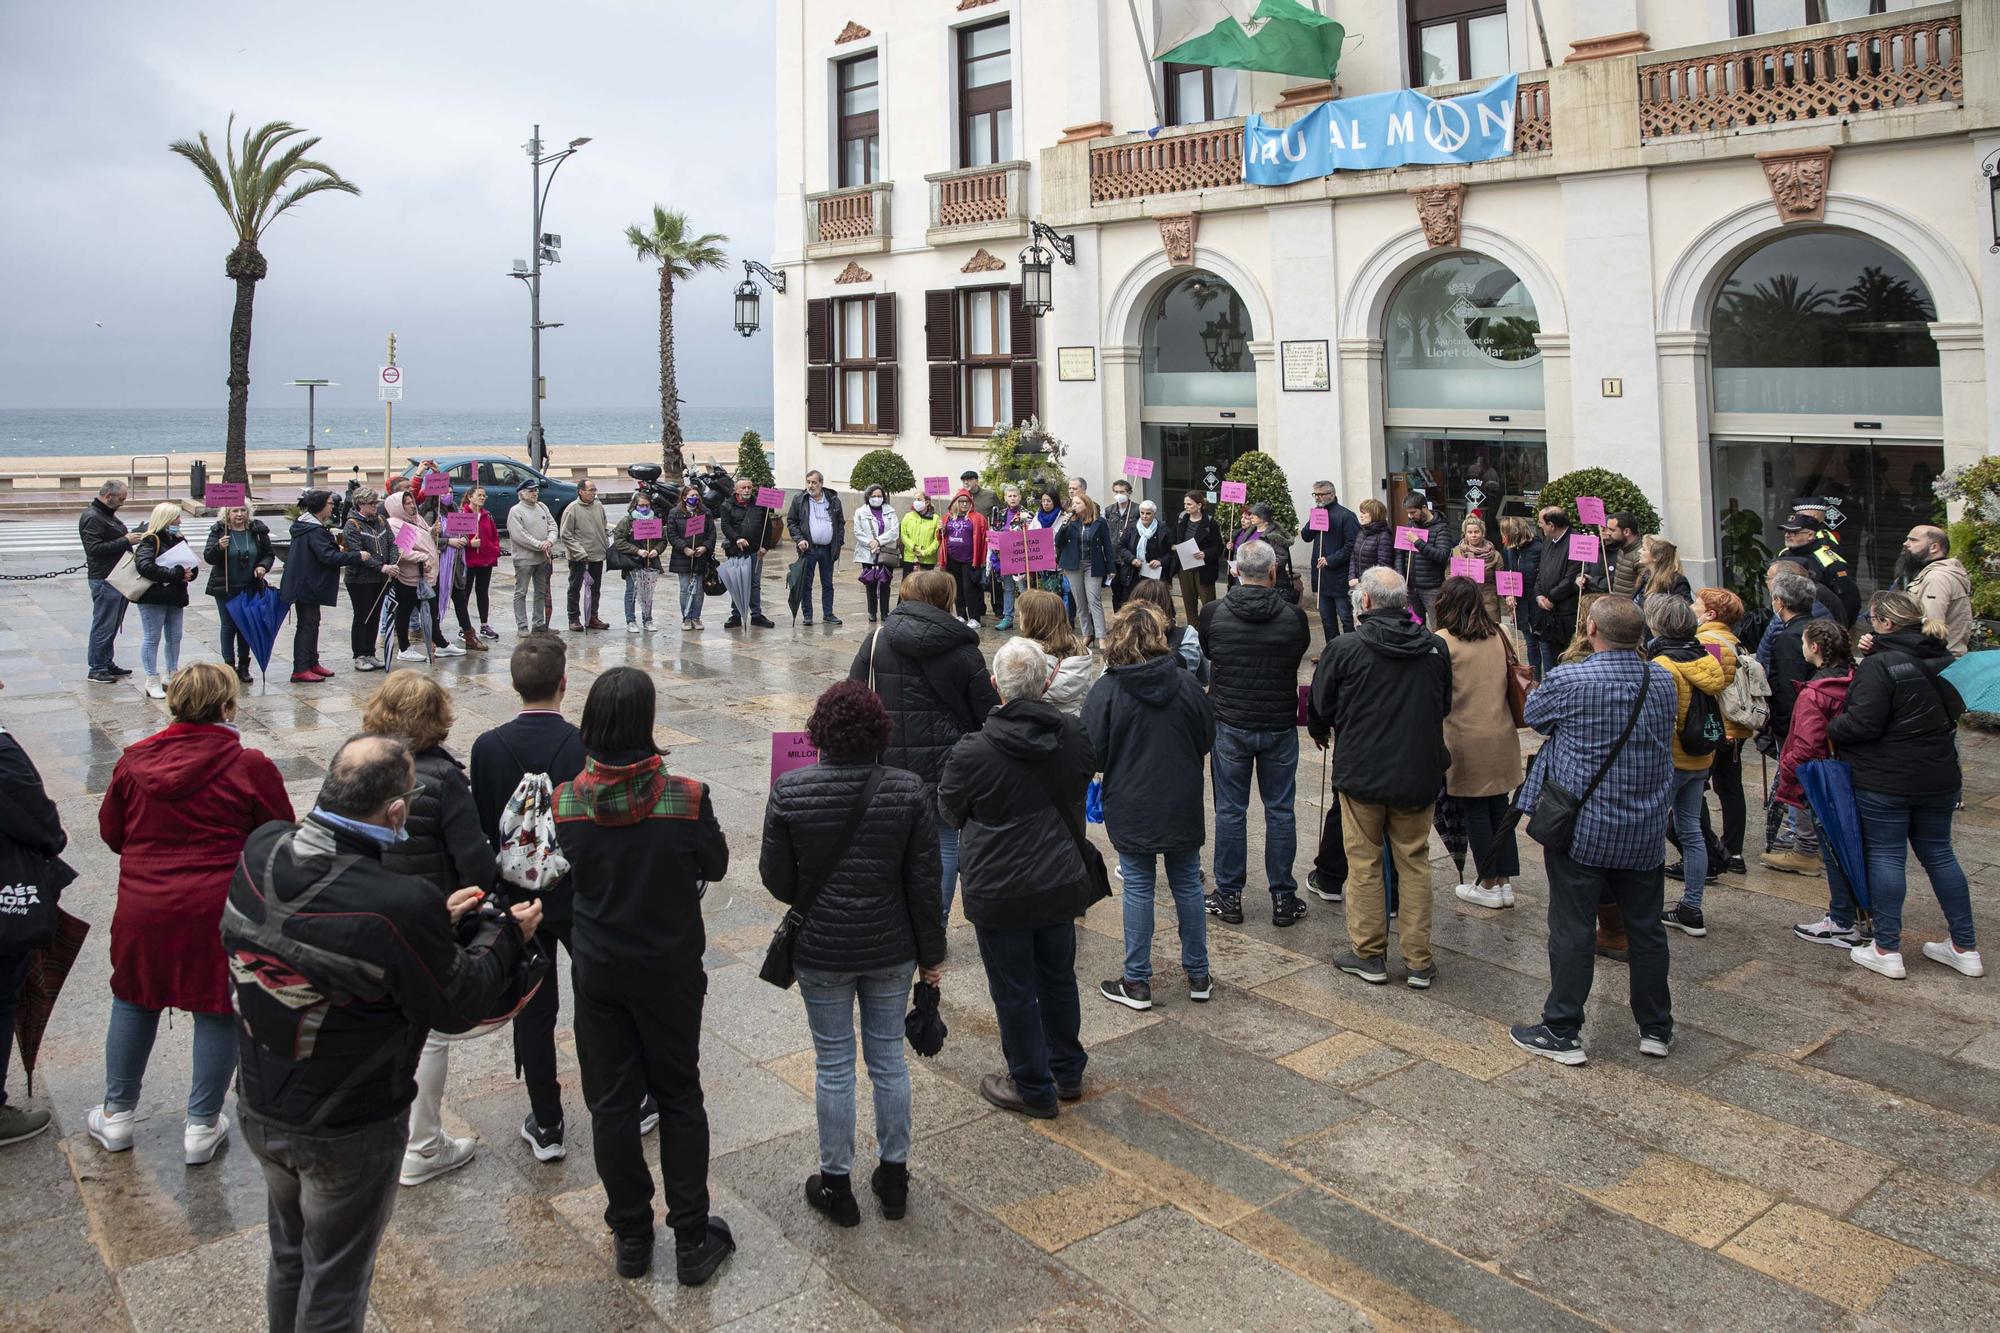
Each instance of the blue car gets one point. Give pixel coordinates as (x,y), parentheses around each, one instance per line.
(501,477)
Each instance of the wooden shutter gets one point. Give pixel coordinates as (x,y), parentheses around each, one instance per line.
(941,325)
(1022,328)
(1027,402)
(819,332)
(888,407)
(945,413)
(819,398)
(885,327)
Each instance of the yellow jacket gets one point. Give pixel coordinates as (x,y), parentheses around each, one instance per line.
(1732,648)
(920,539)
(1710,677)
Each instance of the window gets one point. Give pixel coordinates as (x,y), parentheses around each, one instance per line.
(1195,350)
(1196,93)
(1753,16)
(1461,337)
(855,355)
(1454,40)
(981,347)
(851,365)
(985,95)
(499,474)
(461,475)
(860,133)
(988,360)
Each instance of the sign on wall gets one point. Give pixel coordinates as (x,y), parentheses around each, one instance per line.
(1076,363)
(1382,130)
(1305,367)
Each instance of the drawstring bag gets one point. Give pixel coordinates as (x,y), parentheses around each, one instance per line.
(530,856)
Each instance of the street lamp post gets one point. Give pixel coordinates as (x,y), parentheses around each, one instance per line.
(548,248)
(747,319)
(312,388)
(1038,269)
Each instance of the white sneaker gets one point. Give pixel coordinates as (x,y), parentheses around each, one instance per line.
(155,690)
(111,1129)
(412,654)
(199,1142)
(1472,893)
(647,626)
(1944,951)
(447,1154)
(1507,894)
(631,627)
(451,650)
(1888,964)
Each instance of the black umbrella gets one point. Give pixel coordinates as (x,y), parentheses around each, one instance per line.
(51,965)
(798,584)
(925,1025)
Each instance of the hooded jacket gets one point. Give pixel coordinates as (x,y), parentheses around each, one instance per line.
(370,534)
(1254,639)
(419,563)
(1070,680)
(313,562)
(1384,691)
(1693,668)
(446,848)
(1719,634)
(31,837)
(922,537)
(180,805)
(932,678)
(1017,862)
(1150,726)
(1820,701)
(879,906)
(637,839)
(487,554)
(1944,590)
(1896,730)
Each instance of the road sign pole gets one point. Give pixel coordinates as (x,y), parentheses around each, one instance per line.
(389,427)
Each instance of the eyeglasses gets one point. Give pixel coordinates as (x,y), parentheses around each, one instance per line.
(411,795)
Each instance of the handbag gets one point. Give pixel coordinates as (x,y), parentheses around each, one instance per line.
(1097,876)
(778,968)
(126,578)
(1553,823)
(1520,684)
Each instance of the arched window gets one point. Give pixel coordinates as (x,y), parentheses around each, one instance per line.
(1196,350)
(1825,323)
(1461,336)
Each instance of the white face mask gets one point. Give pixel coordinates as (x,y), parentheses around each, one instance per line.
(923,506)
(874,502)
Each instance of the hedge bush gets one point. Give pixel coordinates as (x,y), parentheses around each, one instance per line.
(750,460)
(1619,493)
(1975,538)
(885,468)
(1266,485)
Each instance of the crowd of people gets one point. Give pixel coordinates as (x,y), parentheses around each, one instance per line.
(420,900)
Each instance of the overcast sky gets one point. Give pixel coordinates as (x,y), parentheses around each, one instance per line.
(425,107)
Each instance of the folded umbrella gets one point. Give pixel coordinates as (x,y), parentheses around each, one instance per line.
(1448,818)
(46,974)
(1977,679)
(738,574)
(258,612)
(1829,788)
(925,1025)
(798,584)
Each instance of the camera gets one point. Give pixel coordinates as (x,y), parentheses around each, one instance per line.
(710,482)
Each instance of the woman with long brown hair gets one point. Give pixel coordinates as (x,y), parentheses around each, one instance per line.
(1479,735)
(1071,667)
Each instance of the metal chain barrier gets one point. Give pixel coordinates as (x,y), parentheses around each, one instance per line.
(46,574)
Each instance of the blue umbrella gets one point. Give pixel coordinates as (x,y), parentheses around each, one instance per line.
(1977,678)
(1829,787)
(258,612)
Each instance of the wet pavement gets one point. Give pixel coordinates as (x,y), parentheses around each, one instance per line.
(1822,1150)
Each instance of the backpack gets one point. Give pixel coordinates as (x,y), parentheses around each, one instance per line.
(530,856)
(1746,700)
(1702,732)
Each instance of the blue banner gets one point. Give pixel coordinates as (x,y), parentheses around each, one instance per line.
(1382,130)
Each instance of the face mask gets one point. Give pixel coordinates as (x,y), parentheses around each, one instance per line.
(874,502)
(923,507)
(642,509)
(174,529)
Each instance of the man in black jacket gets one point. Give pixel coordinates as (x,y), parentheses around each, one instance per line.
(818,528)
(1560,583)
(105,542)
(746,534)
(1006,789)
(341,967)
(539,740)
(1384,692)
(1254,640)
(1195,524)
(1812,547)
(1423,569)
(1332,547)
(31,840)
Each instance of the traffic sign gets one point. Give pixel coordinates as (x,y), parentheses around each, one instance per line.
(389,384)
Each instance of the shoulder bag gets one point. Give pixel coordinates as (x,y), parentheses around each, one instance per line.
(1520,683)
(1097,877)
(126,578)
(778,968)
(1553,823)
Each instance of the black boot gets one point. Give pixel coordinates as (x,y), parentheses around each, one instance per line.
(635,1254)
(697,1257)
(891,1183)
(834,1196)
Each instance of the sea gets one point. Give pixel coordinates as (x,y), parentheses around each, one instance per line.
(27,432)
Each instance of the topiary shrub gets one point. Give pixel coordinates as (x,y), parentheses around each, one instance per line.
(882,467)
(1619,493)
(750,461)
(1266,484)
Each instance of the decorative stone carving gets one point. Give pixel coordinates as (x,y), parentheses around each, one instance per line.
(1306,94)
(1798,181)
(1439,208)
(1177,232)
(983,262)
(854,273)
(972,4)
(853,32)
(1096,129)
(1607,46)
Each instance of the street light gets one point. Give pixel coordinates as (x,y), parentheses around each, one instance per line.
(1990,169)
(1038,272)
(747,295)
(547,248)
(312,388)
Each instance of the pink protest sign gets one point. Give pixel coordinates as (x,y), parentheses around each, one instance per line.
(1234,492)
(790,750)
(436,483)
(769,497)
(1583,547)
(937,485)
(1320,521)
(223,495)
(696,525)
(1305,698)
(461,524)
(1468,567)
(1138,467)
(406,537)
(1011,550)
(1408,539)
(1715,651)
(1591,510)
(1508,584)
(1041,548)
(645,529)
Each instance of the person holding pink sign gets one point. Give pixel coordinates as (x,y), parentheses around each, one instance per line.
(747,530)
(239,555)
(482,554)
(1424,564)
(1474,545)
(641,557)
(690,536)
(415,576)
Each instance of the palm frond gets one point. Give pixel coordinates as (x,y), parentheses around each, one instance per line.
(641,243)
(317,185)
(672,245)
(202,156)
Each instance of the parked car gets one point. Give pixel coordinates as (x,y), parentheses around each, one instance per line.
(502,478)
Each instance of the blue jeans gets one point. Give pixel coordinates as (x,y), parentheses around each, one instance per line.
(691,597)
(822,556)
(107,616)
(1031,975)
(1892,823)
(1336,608)
(830,998)
(129,1042)
(1184,881)
(1690,787)
(1542,654)
(1003,588)
(1275,757)
(158,624)
(948,863)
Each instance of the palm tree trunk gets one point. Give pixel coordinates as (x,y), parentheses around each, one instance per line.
(245,266)
(672,461)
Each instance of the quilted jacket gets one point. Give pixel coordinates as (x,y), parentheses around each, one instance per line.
(447,848)
(932,679)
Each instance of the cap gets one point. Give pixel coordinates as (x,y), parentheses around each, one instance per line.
(1793,523)
(968,475)
(1812,502)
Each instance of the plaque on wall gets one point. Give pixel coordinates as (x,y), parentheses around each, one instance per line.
(1076,363)
(1304,367)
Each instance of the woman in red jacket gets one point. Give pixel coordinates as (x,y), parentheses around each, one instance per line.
(481,553)
(1821,697)
(181,805)
(963,543)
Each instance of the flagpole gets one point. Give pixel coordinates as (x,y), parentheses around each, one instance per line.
(1152,84)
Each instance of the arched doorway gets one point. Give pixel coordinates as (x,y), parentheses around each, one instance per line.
(1198,381)
(1465,401)
(1824,383)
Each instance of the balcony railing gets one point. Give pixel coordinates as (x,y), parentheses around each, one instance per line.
(1829,71)
(989,201)
(850,221)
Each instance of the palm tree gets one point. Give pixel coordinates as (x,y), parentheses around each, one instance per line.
(255,188)
(680,254)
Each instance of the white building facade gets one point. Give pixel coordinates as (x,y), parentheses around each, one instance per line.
(1741,252)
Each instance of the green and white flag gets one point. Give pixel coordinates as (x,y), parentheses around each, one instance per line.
(1278,36)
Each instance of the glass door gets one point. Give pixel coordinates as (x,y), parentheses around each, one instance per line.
(1497,473)
(1191,456)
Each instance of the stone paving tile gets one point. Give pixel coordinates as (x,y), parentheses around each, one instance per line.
(1686,1200)
(754,1016)
(220,1285)
(1422,1024)
(1038,1166)
(1935,1215)
(56,1277)
(1245,1020)
(1210,1273)
(147,1202)
(1347,1059)
(823,1307)
(1194,1170)
(1983,1051)
(1823,1255)
(1886,1010)
(1229,1092)
(1087,1314)
(1944,1083)
(1939,1296)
